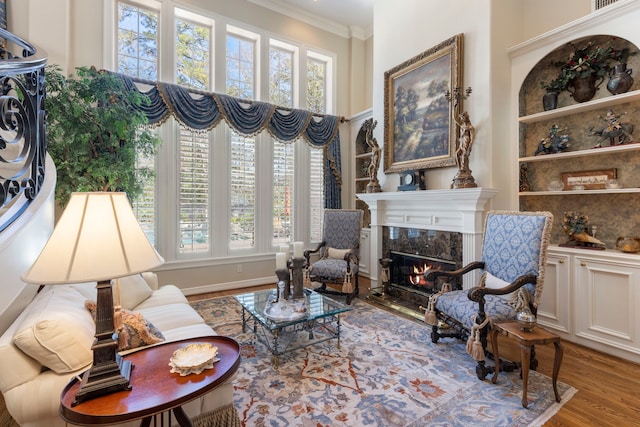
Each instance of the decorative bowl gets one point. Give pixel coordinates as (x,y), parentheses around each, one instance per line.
(555,185)
(629,245)
(526,320)
(193,359)
(284,311)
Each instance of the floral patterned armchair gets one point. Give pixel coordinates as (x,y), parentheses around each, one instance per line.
(514,252)
(339,253)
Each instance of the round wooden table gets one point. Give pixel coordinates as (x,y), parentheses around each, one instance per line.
(154,388)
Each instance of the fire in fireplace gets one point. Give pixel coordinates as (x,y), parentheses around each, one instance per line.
(408,270)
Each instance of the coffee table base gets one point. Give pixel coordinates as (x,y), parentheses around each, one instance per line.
(283,339)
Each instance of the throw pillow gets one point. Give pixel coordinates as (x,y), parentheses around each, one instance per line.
(334,253)
(133,290)
(136,331)
(493,282)
(56,330)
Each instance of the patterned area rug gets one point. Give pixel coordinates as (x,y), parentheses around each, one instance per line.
(386,373)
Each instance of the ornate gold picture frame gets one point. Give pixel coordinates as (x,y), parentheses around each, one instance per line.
(419,128)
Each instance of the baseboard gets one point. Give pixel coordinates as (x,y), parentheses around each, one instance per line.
(240,284)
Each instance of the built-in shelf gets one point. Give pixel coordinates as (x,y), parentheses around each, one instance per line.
(582,153)
(590,296)
(583,107)
(575,192)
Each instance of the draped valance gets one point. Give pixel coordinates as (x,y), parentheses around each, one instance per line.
(203,111)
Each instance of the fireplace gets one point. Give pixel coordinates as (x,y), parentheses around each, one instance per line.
(407,255)
(443,226)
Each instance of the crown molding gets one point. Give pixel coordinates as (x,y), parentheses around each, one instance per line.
(311,19)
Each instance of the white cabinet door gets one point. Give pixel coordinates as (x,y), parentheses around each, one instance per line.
(365,251)
(607,297)
(554,309)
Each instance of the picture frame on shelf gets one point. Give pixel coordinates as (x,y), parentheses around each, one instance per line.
(589,180)
(420,130)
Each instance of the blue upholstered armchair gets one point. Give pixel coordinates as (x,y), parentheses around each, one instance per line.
(514,252)
(339,253)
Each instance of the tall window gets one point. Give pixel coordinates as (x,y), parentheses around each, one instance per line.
(137,55)
(241,56)
(243,195)
(194,192)
(192,54)
(281,57)
(137,41)
(281,83)
(240,82)
(316,102)
(316,85)
(144,206)
(193,69)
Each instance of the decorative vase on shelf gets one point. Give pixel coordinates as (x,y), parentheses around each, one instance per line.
(583,89)
(550,101)
(620,80)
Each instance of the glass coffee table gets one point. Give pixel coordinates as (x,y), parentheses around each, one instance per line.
(320,320)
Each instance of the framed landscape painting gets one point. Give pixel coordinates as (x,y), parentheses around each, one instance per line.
(420,130)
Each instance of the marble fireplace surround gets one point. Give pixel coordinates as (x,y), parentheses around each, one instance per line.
(456,210)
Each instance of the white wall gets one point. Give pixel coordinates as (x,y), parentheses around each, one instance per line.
(405,28)
(20,245)
(540,16)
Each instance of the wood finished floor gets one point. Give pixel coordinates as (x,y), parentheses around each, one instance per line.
(608,387)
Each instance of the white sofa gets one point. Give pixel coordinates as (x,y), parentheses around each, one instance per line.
(50,343)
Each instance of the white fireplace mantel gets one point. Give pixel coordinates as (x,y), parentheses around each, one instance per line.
(457,210)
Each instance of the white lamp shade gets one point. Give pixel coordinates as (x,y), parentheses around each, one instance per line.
(97,238)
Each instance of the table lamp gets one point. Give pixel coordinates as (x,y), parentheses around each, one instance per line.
(97,238)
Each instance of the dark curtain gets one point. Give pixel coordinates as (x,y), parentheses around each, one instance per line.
(203,111)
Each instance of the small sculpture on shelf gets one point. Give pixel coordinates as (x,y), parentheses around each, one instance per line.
(376,151)
(466,136)
(614,130)
(463,178)
(576,226)
(524,178)
(554,142)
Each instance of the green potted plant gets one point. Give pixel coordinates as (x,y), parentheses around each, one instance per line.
(585,69)
(94,133)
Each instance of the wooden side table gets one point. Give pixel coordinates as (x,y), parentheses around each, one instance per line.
(527,340)
(154,388)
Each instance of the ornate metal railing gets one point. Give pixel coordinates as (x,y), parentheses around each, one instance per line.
(23,142)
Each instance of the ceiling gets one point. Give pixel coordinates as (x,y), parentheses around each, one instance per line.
(353,17)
